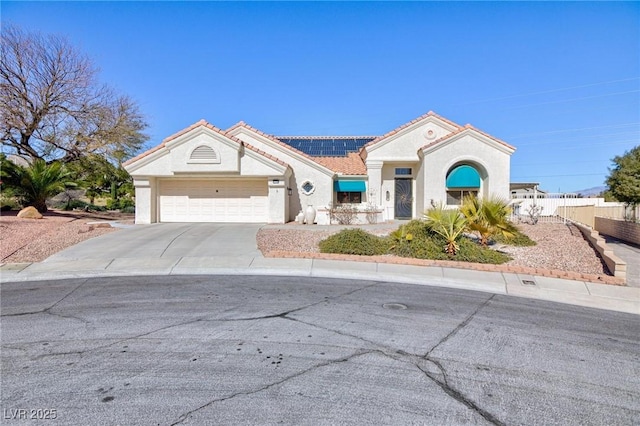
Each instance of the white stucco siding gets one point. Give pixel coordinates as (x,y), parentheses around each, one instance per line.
(491,162)
(145,200)
(405,145)
(226,151)
(302,171)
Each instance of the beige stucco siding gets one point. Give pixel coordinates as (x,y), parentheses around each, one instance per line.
(303,170)
(491,161)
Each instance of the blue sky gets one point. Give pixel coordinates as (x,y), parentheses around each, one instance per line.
(559,81)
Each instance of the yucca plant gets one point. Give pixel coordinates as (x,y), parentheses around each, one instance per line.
(448,223)
(35,183)
(488,217)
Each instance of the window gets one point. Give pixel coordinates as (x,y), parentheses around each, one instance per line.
(456,196)
(349,197)
(404,171)
(307,187)
(462,181)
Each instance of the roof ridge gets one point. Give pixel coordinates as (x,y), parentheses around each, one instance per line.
(274,139)
(324,137)
(205,123)
(462,130)
(405,125)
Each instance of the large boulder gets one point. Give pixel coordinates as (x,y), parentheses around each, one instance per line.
(29,213)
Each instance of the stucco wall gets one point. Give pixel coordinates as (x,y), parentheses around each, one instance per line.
(625,231)
(492,164)
(321,178)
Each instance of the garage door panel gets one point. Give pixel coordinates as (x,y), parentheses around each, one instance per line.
(213,201)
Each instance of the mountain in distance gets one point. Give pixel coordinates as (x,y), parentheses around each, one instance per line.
(591,191)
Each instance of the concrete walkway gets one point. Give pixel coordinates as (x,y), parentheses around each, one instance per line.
(629,253)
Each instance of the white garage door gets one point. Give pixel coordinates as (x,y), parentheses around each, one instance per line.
(214,200)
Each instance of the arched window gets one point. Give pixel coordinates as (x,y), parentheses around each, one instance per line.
(204,154)
(462,181)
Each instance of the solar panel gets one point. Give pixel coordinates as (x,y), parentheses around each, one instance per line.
(331,146)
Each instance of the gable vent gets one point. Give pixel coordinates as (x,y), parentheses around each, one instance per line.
(204,153)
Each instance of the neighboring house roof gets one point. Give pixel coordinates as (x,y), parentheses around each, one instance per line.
(464,129)
(194,126)
(327,146)
(410,123)
(352,164)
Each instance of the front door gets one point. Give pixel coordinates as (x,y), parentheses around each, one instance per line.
(403,198)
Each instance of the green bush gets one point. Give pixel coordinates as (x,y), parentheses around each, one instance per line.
(354,241)
(471,251)
(128,209)
(426,244)
(80,205)
(120,203)
(519,240)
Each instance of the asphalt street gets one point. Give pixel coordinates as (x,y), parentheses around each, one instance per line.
(290,350)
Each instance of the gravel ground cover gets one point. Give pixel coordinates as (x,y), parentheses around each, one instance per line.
(33,240)
(559,246)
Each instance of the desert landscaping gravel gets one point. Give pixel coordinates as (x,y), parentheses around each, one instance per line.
(559,246)
(33,240)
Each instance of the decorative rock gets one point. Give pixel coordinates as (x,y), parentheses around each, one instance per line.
(29,213)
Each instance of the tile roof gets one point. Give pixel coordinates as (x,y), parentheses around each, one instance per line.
(404,126)
(463,129)
(194,126)
(352,164)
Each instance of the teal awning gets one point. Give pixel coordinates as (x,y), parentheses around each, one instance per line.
(349,186)
(463,177)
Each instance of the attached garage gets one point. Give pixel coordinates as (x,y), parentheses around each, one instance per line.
(213,200)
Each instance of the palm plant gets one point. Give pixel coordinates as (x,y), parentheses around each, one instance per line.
(448,223)
(488,217)
(35,183)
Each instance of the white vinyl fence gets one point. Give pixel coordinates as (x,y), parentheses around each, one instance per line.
(556,207)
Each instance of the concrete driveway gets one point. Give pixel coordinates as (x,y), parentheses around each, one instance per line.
(169,240)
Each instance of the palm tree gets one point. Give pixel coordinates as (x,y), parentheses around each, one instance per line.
(35,183)
(488,217)
(448,223)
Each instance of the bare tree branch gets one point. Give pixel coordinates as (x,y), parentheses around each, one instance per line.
(52,106)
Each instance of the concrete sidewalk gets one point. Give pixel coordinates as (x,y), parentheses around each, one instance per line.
(610,297)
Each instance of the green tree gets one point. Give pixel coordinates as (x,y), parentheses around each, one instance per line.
(35,183)
(488,217)
(448,223)
(624,177)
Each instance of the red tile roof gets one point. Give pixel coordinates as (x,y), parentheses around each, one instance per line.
(404,126)
(463,129)
(352,164)
(211,127)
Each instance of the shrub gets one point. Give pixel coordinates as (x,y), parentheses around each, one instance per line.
(470,251)
(120,203)
(80,205)
(344,214)
(448,223)
(425,243)
(128,209)
(354,241)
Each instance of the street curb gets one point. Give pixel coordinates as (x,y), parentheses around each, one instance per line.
(550,273)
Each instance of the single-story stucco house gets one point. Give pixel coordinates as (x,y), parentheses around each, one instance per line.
(241,174)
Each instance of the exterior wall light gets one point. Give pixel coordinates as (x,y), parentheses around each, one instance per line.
(289,192)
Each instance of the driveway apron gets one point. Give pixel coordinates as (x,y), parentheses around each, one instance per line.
(169,240)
